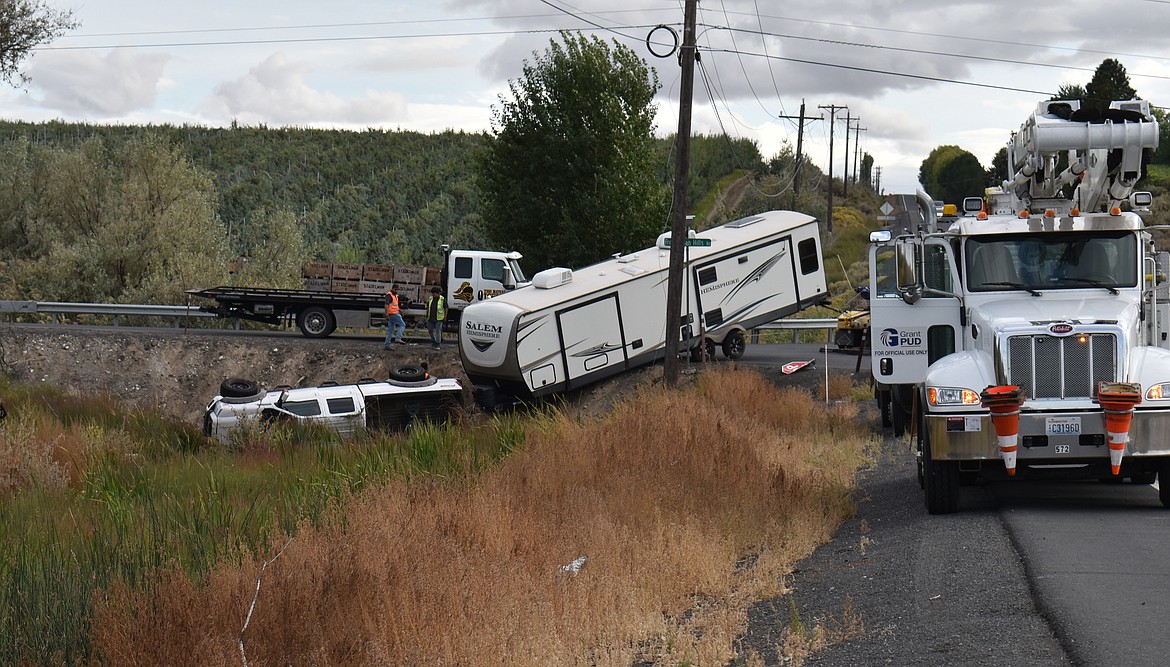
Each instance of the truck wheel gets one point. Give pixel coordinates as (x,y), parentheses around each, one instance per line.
(316,322)
(1164,483)
(898,415)
(940,481)
(408,373)
(734,345)
(883,400)
(238,388)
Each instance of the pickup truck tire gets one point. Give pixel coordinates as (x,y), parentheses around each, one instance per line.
(734,345)
(238,388)
(412,373)
(316,322)
(941,480)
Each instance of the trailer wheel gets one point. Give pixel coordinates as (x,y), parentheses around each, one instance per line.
(238,388)
(316,322)
(734,345)
(940,480)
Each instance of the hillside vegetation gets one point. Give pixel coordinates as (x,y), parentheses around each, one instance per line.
(127,213)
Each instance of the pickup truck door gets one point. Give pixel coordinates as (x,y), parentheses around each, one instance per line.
(908,335)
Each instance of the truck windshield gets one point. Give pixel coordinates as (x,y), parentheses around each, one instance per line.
(1062,260)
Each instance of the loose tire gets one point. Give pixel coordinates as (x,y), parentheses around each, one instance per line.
(316,322)
(940,480)
(238,388)
(734,345)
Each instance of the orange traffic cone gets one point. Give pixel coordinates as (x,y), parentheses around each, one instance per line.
(1004,402)
(1117,400)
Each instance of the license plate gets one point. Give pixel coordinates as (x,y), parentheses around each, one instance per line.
(1062,426)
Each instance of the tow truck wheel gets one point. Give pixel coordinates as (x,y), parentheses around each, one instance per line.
(316,322)
(940,480)
(734,345)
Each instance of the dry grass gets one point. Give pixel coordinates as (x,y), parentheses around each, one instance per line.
(688,506)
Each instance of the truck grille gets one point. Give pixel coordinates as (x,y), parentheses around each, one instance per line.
(1061,367)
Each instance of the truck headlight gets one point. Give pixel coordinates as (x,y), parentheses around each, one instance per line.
(951,396)
(1158,392)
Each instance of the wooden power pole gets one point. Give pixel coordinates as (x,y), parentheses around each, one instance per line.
(678,213)
(833,108)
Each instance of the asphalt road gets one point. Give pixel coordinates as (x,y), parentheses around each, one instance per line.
(1027,573)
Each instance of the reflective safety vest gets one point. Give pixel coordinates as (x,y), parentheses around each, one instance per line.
(437,308)
(391,303)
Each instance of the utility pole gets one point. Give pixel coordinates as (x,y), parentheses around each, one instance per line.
(857,151)
(845,174)
(832,118)
(799,148)
(877,183)
(678,214)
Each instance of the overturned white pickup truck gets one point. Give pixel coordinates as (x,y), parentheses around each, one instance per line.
(409,397)
(571,328)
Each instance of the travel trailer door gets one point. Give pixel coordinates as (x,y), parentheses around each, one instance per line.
(592,338)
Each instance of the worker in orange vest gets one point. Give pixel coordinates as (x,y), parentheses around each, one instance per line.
(395,325)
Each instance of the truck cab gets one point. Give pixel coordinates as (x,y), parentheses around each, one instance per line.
(472,276)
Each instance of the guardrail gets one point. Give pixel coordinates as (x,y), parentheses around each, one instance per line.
(177,313)
(115,310)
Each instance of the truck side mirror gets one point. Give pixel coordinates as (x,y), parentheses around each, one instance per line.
(908,275)
(508,279)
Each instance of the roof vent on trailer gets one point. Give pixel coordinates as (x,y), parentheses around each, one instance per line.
(744,222)
(554,277)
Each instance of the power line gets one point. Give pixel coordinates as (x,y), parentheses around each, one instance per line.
(943,54)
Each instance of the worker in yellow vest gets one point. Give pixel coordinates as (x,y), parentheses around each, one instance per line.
(395,325)
(436,314)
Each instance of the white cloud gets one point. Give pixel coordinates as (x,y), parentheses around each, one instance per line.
(77,83)
(276,91)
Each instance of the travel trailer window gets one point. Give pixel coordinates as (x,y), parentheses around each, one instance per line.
(463,268)
(809,259)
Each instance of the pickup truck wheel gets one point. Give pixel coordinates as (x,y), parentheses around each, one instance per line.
(316,322)
(940,481)
(408,373)
(238,388)
(734,345)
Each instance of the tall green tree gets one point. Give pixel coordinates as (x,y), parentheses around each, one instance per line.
(950,173)
(24,25)
(1070,91)
(570,174)
(1110,82)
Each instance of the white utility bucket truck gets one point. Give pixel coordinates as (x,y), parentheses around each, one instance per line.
(1031,341)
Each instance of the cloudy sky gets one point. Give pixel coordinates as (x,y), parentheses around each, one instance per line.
(914,73)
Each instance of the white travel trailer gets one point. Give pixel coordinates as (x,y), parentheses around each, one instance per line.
(571,328)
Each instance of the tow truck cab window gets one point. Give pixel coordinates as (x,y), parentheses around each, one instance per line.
(463,268)
(492,269)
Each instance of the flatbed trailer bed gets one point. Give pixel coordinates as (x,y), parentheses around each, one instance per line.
(316,314)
